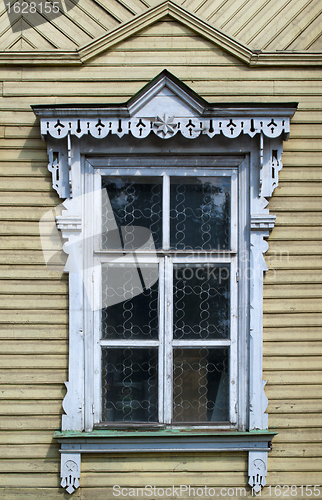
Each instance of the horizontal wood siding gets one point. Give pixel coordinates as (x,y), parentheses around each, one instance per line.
(34,312)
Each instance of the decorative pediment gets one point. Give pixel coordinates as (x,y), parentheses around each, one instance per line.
(47,45)
(165,107)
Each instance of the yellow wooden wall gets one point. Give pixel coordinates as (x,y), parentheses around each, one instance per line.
(34,319)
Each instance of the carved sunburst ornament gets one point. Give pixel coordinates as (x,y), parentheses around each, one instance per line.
(165,124)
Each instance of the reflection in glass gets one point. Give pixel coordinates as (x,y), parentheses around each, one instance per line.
(131,213)
(200,385)
(130,301)
(201,301)
(129,385)
(200,213)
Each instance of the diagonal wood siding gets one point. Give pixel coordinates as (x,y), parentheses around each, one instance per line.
(261,24)
(34,312)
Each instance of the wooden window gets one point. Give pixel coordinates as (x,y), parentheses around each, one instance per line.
(166,326)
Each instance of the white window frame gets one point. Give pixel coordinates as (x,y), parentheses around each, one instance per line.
(165,342)
(252,136)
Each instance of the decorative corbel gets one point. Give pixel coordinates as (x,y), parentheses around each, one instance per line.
(70,471)
(257,469)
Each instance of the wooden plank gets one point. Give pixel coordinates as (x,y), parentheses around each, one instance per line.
(13,493)
(32,347)
(287,392)
(298,219)
(289,320)
(26,408)
(306,452)
(288,362)
(302,145)
(14,228)
(26,438)
(25,154)
(31,376)
(302,348)
(17,361)
(30,480)
(299,291)
(50,465)
(298,159)
(30,392)
(25,170)
(303,406)
(43,316)
(287,276)
(30,272)
(295,204)
(33,257)
(42,199)
(19,143)
(29,244)
(295,421)
(301,174)
(163,42)
(25,332)
(34,301)
(299,188)
(29,423)
(94,70)
(296,233)
(304,435)
(32,214)
(26,184)
(285,464)
(293,377)
(294,262)
(293,305)
(32,287)
(296,334)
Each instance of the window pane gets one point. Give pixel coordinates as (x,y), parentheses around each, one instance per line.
(130,301)
(129,205)
(200,213)
(129,385)
(200,385)
(201,301)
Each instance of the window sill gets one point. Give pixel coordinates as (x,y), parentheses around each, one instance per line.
(163,440)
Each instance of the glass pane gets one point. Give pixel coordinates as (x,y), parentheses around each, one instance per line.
(200,213)
(130,301)
(201,301)
(131,213)
(200,385)
(129,385)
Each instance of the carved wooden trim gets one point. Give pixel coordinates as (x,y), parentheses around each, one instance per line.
(257,470)
(164,126)
(70,471)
